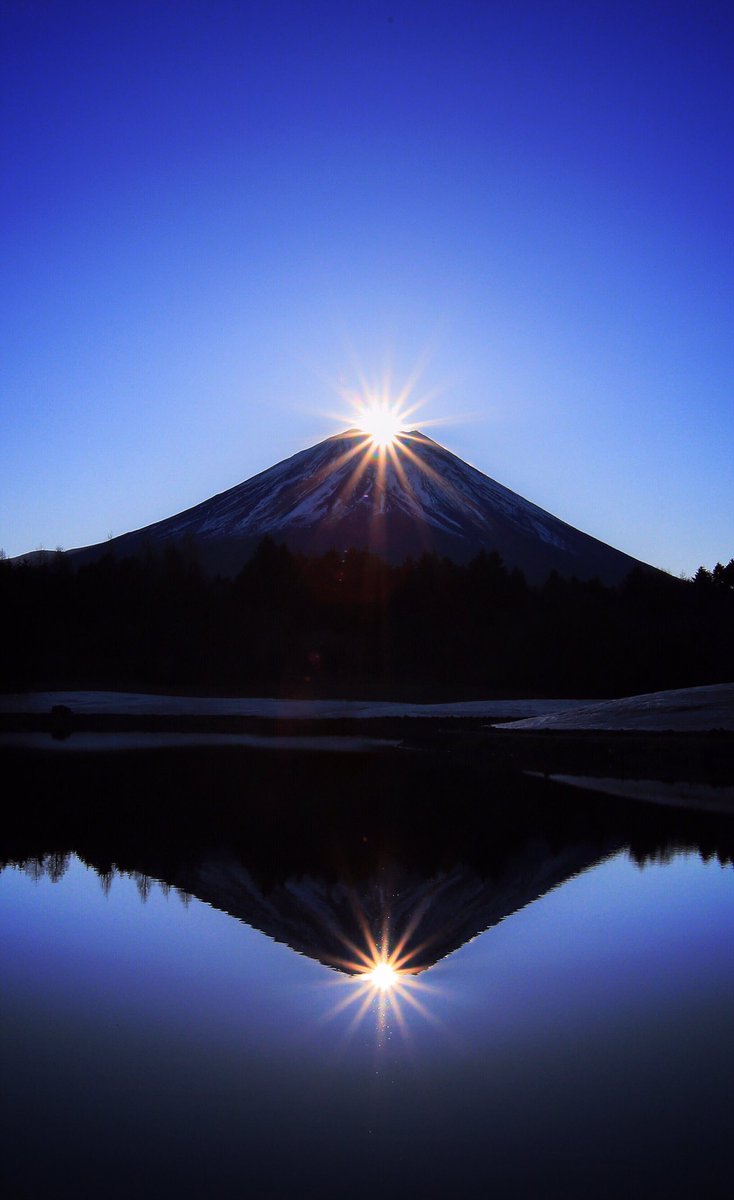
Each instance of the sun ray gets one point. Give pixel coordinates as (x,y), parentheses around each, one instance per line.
(419,1007)
(399,469)
(361,1013)
(335,465)
(368,936)
(400,1020)
(349,454)
(350,483)
(364,959)
(348,1001)
(434,476)
(415,919)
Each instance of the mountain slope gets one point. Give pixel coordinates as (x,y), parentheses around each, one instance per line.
(412,498)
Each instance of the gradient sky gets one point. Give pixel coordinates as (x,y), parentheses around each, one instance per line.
(215,214)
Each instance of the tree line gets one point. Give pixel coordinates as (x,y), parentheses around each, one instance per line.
(351,624)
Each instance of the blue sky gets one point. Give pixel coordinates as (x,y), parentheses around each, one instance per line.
(215,214)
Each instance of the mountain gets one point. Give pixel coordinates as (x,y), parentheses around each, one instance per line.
(405,500)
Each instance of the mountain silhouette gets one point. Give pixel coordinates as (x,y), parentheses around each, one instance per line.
(410,498)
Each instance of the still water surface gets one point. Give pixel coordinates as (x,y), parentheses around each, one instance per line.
(155,1044)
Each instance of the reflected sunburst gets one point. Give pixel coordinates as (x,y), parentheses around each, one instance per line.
(383,977)
(386,989)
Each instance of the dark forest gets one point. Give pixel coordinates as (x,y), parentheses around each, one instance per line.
(350,624)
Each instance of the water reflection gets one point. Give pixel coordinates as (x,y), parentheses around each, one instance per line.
(579,1047)
(375,868)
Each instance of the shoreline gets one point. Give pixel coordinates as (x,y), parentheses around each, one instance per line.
(475,751)
(684,739)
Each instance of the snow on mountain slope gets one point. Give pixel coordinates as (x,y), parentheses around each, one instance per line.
(324,484)
(415,497)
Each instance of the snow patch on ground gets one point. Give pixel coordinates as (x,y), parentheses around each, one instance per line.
(685,709)
(705,796)
(166,741)
(141,704)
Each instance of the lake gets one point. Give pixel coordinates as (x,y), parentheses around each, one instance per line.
(189,1005)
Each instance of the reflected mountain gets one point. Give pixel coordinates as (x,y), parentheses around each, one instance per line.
(343,860)
(342,922)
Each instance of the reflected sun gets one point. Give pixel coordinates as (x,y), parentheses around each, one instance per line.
(383,976)
(383,982)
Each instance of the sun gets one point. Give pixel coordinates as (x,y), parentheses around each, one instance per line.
(381,421)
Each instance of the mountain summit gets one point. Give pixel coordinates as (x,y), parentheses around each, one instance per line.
(406,498)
